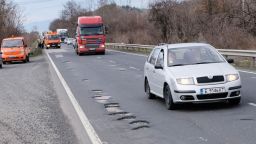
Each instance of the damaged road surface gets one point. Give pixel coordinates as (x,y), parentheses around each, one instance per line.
(30,110)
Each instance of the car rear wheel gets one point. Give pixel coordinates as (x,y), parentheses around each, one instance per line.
(147,90)
(235,101)
(168,98)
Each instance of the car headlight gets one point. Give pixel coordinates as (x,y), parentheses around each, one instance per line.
(232,77)
(185,81)
(82,46)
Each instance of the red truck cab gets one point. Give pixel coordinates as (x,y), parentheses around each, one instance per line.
(90,35)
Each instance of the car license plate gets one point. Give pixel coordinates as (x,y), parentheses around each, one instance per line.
(92,49)
(53,45)
(12,56)
(213,90)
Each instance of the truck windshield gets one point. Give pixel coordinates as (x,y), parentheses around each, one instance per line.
(53,37)
(93,30)
(12,43)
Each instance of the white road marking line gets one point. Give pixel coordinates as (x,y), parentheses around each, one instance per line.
(128,53)
(85,121)
(247,72)
(252,104)
(59,56)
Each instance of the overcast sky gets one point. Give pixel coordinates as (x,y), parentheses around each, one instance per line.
(40,13)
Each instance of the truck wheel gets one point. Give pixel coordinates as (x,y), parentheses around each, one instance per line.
(28,60)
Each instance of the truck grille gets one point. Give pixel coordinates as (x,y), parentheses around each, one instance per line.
(212,96)
(214,79)
(94,41)
(92,45)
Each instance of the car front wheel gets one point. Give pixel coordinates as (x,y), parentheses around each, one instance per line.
(147,90)
(168,98)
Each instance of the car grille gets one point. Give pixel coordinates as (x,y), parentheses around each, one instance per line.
(212,96)
(214,79)
(94,40)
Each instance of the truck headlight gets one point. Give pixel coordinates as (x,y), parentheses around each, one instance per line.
(185,81)
(82,46)
(232,77)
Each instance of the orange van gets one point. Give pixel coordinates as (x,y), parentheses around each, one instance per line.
(14,49)
(52,40)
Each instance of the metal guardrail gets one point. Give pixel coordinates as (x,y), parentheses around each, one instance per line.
(147,49)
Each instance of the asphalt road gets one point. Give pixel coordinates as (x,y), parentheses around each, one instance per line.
(30,110)
(119,77)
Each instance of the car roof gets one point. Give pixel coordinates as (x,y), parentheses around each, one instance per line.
(181,45)
(13,38)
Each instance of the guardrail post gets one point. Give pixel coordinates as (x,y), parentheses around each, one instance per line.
(253,62)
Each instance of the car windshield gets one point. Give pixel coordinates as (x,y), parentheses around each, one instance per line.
(93,30)
(53,37)
(12,43)
(193,55)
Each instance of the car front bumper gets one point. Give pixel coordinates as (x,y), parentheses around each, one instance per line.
(193,94)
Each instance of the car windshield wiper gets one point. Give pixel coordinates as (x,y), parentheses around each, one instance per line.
(205,63)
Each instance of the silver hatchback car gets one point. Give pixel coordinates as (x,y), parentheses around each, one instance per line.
(191,73)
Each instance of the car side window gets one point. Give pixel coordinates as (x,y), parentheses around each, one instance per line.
(160,59)
(153,57)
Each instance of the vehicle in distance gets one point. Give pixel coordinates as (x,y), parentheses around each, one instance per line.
(190,73)
(14,49)
(51,40)
(63,34)
(1,60)
(69,41)
(90,35)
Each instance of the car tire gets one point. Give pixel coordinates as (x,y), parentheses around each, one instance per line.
(168,98)
(4,62)
(1,66)
(235,101)
(147,91)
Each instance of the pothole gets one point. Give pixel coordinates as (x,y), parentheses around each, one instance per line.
(97,97)
(102,101)
(108,105)
(97,91)
(139,122)
(122,69)
(118,113)
(247,119)
(140,127)
(85,79)
(126,117)
(66,61)
(113,109)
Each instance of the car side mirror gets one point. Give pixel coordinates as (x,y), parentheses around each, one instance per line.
(230,61)
(158,66)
